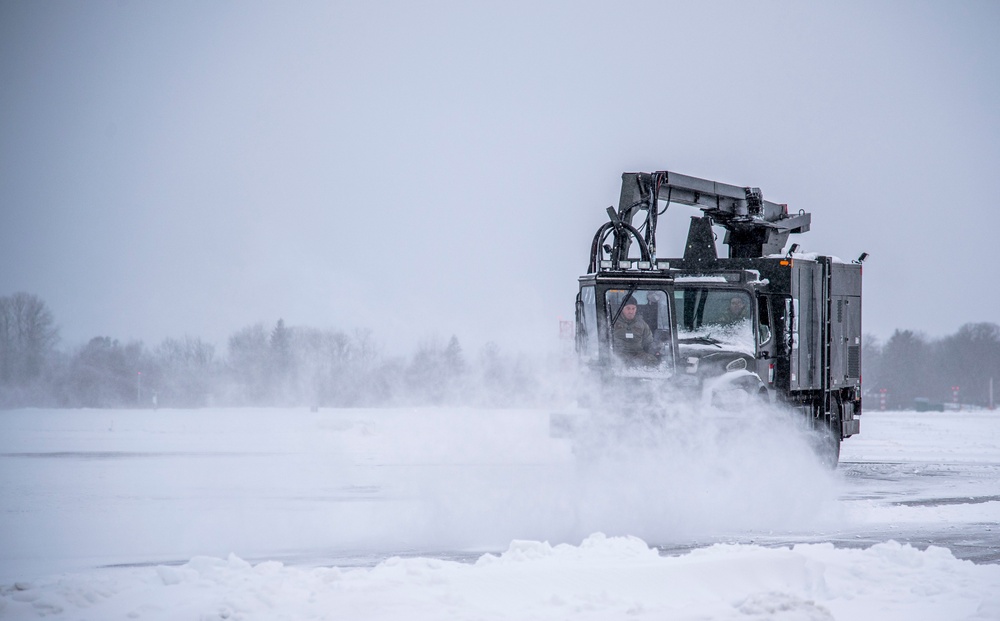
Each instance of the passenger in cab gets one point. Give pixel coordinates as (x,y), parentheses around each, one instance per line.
(735,312)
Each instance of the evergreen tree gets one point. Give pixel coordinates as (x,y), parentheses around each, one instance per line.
(905,369)
(248,359)
(454,361)
(968,359)
(280,362)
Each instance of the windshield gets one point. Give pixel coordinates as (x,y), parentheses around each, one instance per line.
(640,326)
(714,317)
(652,306)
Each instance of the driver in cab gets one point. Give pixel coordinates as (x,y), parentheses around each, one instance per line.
(632,339)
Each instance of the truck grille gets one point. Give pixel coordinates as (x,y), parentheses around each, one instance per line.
(854,361)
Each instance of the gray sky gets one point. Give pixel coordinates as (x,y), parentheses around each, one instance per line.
(436,168)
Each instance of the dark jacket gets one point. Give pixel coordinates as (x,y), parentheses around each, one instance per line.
(632,339)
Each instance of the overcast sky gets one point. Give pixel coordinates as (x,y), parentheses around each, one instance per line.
(439,168)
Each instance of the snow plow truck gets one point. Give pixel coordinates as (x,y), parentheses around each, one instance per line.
(764,324)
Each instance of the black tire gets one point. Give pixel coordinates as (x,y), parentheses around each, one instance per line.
(828,436)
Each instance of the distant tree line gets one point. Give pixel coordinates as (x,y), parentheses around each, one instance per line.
(262,365)
(302,366)
(911,366)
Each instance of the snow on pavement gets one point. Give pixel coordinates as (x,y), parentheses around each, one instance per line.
(83,490)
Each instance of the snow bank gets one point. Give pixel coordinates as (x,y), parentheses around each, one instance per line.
(602,578)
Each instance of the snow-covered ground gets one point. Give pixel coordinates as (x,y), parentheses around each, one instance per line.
(480,514)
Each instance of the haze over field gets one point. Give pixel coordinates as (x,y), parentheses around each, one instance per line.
(190,168)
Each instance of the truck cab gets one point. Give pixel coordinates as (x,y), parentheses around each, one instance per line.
(702,328)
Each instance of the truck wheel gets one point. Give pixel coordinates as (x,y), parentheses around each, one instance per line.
(829,435)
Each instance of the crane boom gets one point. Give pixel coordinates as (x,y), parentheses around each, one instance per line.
(754,227)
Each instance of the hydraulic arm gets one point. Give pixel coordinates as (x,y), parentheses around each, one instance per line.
(754,227)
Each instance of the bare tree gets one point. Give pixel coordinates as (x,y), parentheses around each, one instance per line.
(27,337)
(185,372)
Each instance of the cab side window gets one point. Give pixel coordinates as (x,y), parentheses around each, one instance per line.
(586,323)
(763,321)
